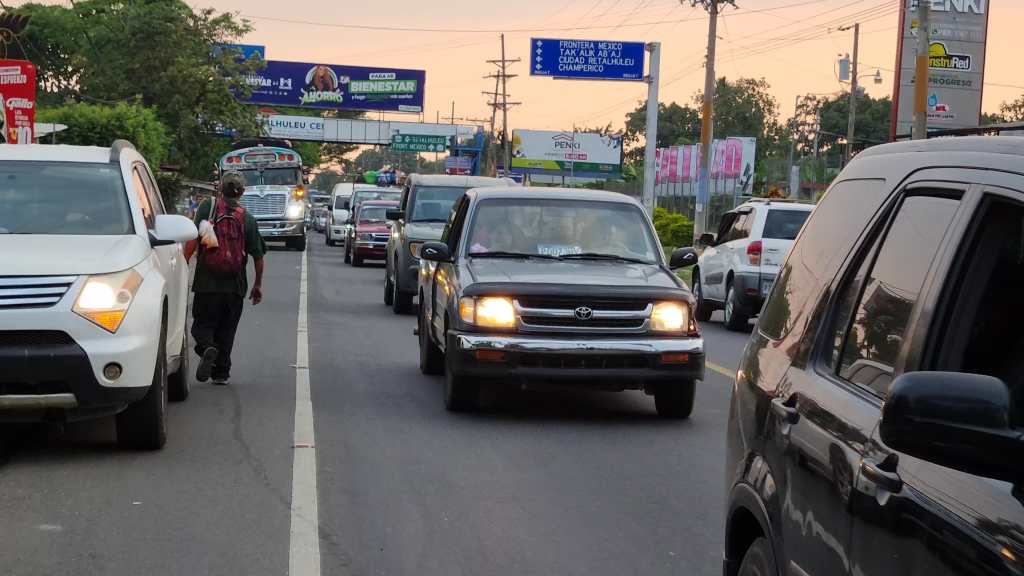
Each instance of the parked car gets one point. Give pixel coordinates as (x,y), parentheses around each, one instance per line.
(362,193)
(547,285)
(875,422)
(426,203)
(93,290)
(338,213)
(738,265)
(370,231)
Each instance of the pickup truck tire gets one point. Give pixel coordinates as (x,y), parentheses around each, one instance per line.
(675,400)
(178,384)
(348,255)
(143,425)
(735,319)
(357,261)
(389,295)
(460,393)
(431,357)
(401,302)
(758,559)
(703,308)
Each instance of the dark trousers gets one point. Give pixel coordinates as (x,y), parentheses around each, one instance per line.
(215,319)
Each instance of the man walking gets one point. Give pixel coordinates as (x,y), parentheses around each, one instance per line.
(220,281)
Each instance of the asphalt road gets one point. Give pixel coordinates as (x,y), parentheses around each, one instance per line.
(541,483)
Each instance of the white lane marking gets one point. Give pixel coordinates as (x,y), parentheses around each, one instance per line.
(304,537)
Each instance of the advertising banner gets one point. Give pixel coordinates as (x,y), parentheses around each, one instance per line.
(18,100)
(458,165)
(587,59)
(584,154)
(334,87)
(956,60)
(732,168)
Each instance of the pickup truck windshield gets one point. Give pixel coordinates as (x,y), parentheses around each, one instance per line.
(433,203)
(372,213)
(63,198)
(577,229)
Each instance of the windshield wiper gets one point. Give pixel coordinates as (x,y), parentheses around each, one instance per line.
(600,256)
(505,254)
(430,220)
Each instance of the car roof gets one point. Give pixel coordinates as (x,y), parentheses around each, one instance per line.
(773,204)
(895,161)
(378,203)
(54,153)
(374,188)
(454,180)
(540,192)
(1008,145)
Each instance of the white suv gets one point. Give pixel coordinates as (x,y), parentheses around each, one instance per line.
(93,290)
(739,264)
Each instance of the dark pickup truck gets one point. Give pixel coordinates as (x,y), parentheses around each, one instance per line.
(546,286)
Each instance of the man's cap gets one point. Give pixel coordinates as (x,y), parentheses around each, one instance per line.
(233,178)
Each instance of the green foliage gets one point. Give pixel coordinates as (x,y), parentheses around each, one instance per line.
(158,54)
(408,162)
(873,121)
(100,125)
(676,125)
(1012,111)
(674,229)
(745,107)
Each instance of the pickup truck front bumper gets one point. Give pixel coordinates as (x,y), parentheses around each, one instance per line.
(611,363)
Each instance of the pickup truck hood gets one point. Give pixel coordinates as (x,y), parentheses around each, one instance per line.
(372,228)
(52,255)
(424,230)
(573,272)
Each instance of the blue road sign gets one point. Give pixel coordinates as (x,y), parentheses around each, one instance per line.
(593,59)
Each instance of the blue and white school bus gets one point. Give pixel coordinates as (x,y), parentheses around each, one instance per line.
(274,191)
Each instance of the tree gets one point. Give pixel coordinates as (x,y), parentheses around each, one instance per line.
(100,124)
(745,107)
(155,53)
(873,121)
(676,125)
(1012,111)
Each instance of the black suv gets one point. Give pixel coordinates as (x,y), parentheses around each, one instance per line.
(540,286)
(875,422)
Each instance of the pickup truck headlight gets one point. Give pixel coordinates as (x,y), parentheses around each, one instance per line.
(487,312)
(365,237)
(294,212)
(414,249)
(104,299)
(670,317)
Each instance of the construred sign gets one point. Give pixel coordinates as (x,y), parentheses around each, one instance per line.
(18,100)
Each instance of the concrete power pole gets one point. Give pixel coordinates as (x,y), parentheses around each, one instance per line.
(649,199)
(920,131)
(852,123)
(700,216)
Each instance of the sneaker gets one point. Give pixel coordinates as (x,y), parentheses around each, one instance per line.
(220,381)
(206,364)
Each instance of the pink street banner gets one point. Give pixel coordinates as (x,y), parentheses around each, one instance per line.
(732,168)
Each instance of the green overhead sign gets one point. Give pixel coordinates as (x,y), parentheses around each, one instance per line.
(418,143)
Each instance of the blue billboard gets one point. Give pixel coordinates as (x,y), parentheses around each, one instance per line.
(246,51)
(334,87)
(587,59)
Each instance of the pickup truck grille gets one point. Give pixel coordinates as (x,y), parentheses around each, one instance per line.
(33,291)
(269,205)
(544,314)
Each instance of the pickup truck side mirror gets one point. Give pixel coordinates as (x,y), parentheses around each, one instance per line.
(682,258)
(349,220)
(706,239)
(435,252)
(394,213)
(957,420)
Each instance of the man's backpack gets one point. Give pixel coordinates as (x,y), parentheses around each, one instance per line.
(227,260)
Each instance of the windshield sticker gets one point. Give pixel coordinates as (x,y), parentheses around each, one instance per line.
(558,249)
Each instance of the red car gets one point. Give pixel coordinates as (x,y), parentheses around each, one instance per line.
(368,235)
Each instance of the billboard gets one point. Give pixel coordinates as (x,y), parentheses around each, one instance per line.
(18,101)
(956,64)
(334,87)
(584,154)
(732,168)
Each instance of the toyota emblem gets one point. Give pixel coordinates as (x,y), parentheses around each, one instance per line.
(583,313)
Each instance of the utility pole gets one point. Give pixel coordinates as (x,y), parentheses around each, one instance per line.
(651,135)
(920,131)
(501,78)
(707,129)
(852,122)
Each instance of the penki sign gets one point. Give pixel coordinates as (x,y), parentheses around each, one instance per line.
(583,154)
(334,87)
(956,63)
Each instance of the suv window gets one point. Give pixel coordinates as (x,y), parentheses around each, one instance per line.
(139,185)
(784,224)
(831,232)
(879,322)
(432,203)
(67,198)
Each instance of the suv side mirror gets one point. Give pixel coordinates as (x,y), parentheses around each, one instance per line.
(682,258)
(435,252)
(957,420)
(394,213)
(706,239)
(172,228)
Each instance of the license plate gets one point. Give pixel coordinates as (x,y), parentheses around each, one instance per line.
(267,226)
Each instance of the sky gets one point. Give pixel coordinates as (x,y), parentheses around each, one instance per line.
(761,38)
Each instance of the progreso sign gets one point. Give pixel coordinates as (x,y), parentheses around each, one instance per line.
(335,87)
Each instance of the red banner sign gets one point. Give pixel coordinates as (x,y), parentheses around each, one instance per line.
(18,99)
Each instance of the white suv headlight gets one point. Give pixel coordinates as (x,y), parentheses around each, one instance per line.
(104,299)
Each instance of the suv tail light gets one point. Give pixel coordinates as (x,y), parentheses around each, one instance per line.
(754,253)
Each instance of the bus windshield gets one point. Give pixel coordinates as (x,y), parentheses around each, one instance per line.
(273,177)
